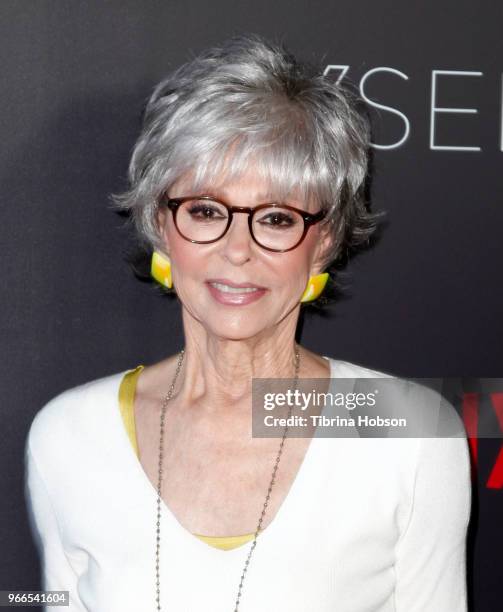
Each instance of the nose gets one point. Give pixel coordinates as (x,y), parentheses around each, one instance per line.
(238,241)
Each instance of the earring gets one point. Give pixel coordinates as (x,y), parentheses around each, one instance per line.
(160,269)
(315,286)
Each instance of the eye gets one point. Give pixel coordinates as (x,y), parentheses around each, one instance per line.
(204,210)
(278,219)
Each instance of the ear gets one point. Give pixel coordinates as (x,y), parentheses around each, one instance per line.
(322,247)
(161,216)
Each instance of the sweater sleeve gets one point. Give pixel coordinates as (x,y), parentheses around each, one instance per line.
(57,571)
(430,562)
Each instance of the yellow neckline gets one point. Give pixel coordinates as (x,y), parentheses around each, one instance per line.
(127,391)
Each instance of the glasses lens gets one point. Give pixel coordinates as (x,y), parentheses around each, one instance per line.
(202,220)
(277,228)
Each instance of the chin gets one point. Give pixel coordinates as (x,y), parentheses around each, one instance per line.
(239,332)
(233,328)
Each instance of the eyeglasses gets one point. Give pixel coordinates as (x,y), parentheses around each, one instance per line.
(276,227)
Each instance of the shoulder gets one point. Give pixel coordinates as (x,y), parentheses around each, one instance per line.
(434,452)
(348,369)
(72,411)
(428,412)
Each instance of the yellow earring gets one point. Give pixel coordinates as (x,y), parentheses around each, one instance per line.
(315,286)
(160,269)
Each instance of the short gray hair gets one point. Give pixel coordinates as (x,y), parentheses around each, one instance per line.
(303,130)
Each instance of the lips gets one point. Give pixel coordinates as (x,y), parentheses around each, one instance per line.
(234,290)
(232,284)
(229,293)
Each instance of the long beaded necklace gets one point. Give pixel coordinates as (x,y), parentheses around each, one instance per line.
(166,400)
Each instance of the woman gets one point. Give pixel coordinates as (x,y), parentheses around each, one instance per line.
(146,488)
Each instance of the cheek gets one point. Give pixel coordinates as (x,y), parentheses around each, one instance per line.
(186,258)
(188,262)
(288,271)
(293,268)
(292,271)
(301,258)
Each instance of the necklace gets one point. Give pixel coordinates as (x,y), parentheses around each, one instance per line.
(166,400)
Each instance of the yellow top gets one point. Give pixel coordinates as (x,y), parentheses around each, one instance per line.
(126,403)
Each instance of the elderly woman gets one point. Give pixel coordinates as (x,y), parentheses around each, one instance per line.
(147,489)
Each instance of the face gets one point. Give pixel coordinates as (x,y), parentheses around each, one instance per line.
(279,279)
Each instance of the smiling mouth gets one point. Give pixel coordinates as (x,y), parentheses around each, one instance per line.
(228,289)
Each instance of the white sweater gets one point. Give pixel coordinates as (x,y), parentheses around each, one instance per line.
(368,525)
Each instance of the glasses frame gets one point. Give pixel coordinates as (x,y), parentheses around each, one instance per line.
(309,218)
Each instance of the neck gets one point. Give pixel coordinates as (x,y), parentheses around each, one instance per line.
(218,371)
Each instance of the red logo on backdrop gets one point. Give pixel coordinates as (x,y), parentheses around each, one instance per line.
(470,412)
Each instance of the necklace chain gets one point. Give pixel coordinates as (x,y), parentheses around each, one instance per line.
(166,400)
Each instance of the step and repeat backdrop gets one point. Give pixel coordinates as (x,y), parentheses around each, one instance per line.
(425,301)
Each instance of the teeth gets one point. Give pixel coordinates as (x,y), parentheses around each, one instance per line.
(228,289)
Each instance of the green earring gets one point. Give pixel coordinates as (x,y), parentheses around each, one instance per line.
(160,269)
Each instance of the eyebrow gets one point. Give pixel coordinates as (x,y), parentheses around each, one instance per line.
(223,193)
(260,197)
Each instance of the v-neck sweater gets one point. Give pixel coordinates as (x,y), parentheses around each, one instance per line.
(368,524)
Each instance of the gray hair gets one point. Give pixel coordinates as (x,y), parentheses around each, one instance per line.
(304,132)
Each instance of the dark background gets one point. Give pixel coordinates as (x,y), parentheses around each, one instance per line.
(427,300)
